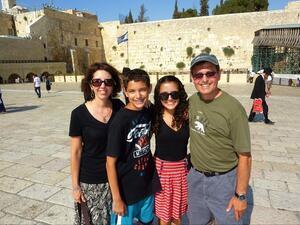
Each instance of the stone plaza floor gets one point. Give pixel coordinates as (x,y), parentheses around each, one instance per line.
(34,155)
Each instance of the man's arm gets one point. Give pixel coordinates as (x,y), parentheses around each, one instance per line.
(119,207)
(242,182)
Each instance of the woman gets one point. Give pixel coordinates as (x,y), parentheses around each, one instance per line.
(88,132)
(171,133)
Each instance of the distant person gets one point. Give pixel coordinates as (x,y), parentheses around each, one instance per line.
(220,149)
(88,131)
(171,130)
(48,84)
(260,91)
(37,85)
(251,77)
(269,82)
(2,107)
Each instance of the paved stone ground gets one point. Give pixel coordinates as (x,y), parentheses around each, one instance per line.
(34,156)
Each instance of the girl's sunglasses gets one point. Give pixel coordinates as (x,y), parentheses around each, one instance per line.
(164,96)
(98,82)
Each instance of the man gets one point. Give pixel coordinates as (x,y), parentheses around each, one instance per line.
(219,147)
(260,91)
(37,85)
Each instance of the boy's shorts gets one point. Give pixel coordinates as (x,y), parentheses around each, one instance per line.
(142,210)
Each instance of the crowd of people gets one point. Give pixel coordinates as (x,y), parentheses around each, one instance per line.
(115,177)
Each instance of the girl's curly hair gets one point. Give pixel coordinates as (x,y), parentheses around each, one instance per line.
(181,110)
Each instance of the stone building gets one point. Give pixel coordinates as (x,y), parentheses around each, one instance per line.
(7,5)
(68,40)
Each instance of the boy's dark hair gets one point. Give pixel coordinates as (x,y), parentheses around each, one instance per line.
(136,75)
(86,81)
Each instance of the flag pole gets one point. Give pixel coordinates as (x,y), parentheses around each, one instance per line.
(127,50)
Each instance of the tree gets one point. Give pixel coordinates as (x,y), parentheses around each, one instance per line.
(239,6)
(129,17)
(141,17)
(204,8)
(176,13)
(188,13)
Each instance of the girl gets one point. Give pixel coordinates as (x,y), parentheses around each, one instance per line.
(88,131)
(171,133)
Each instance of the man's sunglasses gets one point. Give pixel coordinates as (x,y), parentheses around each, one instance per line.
(201,75)
(164,96)
(98,82)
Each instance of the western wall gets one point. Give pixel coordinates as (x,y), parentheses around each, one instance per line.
(159,45)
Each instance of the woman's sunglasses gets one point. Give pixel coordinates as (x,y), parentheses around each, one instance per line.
(164,96)
(98,82)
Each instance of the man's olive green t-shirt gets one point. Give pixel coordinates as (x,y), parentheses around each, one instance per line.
(218,131)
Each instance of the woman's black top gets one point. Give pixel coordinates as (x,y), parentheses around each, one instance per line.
(94,140)
(171,145)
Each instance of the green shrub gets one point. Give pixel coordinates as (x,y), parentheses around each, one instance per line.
(228,51)
(180,65)
(189,51)
(206,50)
(114,48)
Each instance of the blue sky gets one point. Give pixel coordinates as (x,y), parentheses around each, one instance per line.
(108,10)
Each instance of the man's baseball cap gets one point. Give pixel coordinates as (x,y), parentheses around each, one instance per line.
(204,57)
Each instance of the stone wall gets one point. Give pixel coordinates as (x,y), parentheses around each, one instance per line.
(6,24)
(23,69)
(23,22)
(160,45)
(20,49)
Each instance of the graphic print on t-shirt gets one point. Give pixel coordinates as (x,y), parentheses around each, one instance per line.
(199,123)
(140,135)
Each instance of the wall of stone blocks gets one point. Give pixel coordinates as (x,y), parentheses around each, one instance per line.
(160,45)
(13,48)
(23,22)
(22,69)
(6,24)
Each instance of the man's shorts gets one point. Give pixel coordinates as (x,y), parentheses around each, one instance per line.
(142,210)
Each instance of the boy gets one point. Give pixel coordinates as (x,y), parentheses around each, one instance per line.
(130,166)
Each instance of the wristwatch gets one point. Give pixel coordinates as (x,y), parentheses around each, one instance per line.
(241,197)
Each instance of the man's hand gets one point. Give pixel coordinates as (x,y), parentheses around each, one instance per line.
(239,207)
(119,208)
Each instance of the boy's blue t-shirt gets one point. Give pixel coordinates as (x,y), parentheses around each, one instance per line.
(129,141)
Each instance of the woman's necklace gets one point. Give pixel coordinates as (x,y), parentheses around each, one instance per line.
(102,114)
(105,116)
